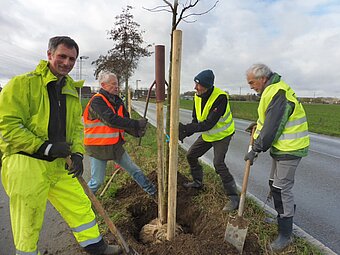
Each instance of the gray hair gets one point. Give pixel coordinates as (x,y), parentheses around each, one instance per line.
(104,76)
(67,41)
(259,70)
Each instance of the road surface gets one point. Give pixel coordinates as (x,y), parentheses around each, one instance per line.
(317,179)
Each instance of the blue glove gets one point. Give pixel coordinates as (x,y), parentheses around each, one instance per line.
(251,156)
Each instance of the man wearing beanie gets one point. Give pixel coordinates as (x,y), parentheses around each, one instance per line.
(212,117)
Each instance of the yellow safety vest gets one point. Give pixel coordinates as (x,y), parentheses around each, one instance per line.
(295,133)
(225,125)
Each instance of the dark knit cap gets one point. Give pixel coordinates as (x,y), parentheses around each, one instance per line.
(205,78)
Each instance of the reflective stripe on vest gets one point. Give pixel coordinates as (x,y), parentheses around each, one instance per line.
(225,125)
(295,133)
(97,132)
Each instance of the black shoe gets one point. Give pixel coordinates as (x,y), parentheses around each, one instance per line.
(194,184)
(232,204)
(113,250)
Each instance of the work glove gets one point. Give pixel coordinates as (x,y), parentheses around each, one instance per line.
(182,132)
(76,168)
(59,149)
(251,156)
(186,130)
(250,127)
(141,129)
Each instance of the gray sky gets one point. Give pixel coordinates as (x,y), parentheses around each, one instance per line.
(298,39)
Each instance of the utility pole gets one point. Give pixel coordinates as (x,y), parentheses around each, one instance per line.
(80,66)
(137,84)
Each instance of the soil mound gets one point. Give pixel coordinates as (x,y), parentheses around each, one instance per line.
(203,228)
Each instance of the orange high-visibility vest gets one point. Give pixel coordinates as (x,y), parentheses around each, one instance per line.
(98,133)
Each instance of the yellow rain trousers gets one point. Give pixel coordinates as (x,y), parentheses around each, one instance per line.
(29,182)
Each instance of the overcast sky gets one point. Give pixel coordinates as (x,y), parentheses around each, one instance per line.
(299,39)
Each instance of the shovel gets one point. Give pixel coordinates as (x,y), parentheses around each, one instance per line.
(237,226)
(100,209)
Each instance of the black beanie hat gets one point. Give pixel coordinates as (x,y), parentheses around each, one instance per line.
(205,78)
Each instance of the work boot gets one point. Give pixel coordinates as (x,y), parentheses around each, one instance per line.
(112,250)
(230,189)
(102,248)
(232,204)
(194,184)
(285,229)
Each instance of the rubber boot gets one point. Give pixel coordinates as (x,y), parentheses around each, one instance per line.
(112,250)
(285,229)
(196,184)
(271,220)
(230,189)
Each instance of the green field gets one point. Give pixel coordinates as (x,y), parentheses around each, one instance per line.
(322,118)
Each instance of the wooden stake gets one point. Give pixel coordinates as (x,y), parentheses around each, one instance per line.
(174,121)
(160,97)
(160,164)
(129,102)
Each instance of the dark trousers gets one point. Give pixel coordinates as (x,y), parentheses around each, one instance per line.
(199,148)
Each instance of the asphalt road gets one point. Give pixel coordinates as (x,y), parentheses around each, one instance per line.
(317,179)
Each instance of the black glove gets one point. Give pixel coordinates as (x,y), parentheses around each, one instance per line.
(77,167)
(142,123)
(251,156)
(60,150)
(191,128)
(141,129)
(250,127)
(182,132)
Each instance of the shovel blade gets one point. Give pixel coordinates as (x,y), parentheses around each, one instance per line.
(236,232)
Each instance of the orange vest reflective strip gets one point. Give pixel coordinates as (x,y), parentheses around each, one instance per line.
(97,132)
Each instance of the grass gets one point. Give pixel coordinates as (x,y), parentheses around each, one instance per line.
(213,197)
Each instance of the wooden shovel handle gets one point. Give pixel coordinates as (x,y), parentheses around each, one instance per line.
(100,209)
(246,177)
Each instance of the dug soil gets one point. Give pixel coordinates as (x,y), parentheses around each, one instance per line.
(203,227)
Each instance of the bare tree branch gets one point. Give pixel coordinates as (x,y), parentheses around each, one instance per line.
(158,9)
(161,7)
(191,5)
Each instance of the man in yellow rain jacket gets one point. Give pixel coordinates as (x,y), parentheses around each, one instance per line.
(40,125)
(281,127)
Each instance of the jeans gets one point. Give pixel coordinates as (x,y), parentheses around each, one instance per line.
(98,171)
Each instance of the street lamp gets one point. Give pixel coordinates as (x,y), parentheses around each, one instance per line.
(137,84)
(80,65)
